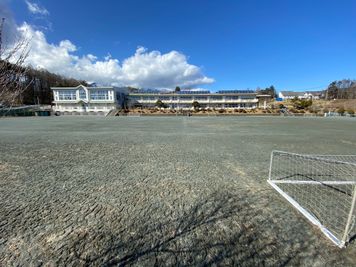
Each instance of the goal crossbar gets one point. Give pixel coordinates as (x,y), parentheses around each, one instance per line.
(336,217)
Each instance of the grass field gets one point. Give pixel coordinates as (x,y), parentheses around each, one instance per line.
(78,191)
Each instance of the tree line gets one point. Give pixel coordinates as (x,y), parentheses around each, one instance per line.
(39,92)
(35,83)
(268,91)
(343,89)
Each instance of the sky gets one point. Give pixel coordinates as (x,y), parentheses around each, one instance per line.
(223,44)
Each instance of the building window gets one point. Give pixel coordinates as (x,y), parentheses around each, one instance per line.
(82,94)
(232,105)
(185,98)
(200,98)
(247,97)
(185,106)
(149,98)
(165,98)
(231,97)
(99,95)
(67,95)
(215,97)
(135,97)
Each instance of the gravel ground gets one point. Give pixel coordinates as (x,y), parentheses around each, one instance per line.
(79,191)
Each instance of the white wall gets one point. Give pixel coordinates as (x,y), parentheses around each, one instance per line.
(86,106)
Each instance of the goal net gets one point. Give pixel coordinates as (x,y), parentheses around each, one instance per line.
(321,187)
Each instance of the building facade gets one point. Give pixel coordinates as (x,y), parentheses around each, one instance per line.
(315,95)
(226,99)
(288,95)
(102,100)
(82,99)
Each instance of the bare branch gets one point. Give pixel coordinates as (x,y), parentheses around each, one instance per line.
(13,78)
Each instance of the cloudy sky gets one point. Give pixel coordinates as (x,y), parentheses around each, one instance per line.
(227,44)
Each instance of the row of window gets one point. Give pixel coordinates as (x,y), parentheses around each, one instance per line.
(241,105)
(67,95)
(189,98)
(94,95)
(99,95)
(174,106)
(81,108)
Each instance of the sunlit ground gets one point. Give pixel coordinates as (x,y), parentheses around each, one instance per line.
(156,190)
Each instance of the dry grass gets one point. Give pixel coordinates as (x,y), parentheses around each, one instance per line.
(336,104)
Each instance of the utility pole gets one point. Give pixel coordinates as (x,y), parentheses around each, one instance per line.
(1,29)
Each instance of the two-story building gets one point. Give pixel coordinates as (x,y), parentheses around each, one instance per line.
(101,100)
(224,99)
(84,100)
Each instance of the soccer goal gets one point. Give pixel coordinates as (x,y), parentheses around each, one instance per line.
(321,187)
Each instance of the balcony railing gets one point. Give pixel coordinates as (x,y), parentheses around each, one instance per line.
(237,101)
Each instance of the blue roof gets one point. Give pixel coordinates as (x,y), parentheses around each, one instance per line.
(188,92)
(236,92)
(148,91)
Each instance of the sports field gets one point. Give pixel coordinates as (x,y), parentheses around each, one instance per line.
(146,191)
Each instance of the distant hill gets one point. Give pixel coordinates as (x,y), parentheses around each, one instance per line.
(36,82)
(39,91)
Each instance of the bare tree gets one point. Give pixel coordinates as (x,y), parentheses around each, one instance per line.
(13,79)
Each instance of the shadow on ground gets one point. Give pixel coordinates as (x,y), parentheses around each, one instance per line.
(186,192)
(222,229)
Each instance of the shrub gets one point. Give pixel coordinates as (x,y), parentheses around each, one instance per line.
(341,111)
(302,103)
(160,104)
(351,112)
(314,109)
(292,110)
(196,105)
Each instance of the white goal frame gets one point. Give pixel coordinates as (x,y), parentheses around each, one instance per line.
(277,181)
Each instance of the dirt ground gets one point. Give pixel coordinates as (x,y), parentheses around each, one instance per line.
(79,191)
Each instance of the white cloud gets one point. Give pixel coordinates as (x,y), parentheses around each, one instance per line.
(143,69)
(36,9)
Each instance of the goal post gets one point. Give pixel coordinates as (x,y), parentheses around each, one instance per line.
(321,187)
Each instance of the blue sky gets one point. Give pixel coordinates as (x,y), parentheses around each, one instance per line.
(294,45)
